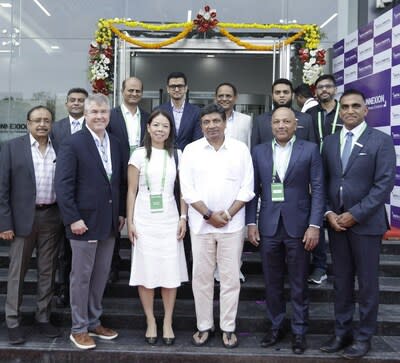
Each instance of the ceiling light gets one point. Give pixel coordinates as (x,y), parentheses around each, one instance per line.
(5,5)
(42,7)
(55,47)
(325,23)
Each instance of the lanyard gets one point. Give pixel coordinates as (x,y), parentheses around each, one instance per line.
(321,134)
(146,175)
(286,161)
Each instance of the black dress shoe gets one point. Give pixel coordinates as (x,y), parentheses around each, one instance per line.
(48,329)
(16,335)
(62,300)
(299,344)
(336,343)
(168,341)
(357,350)
(273,337)
(151,340)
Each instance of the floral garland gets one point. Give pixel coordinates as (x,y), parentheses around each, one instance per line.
(101,52)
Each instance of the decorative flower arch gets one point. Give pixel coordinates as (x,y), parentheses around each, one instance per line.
(101,51)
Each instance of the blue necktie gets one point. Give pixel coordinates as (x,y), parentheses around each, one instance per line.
(75,126)
(347,149)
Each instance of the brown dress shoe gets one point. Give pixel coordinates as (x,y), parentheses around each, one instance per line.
(82,340)
(103,333)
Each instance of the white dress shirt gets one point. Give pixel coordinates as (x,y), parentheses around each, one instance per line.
(103,147)
(178,112)
(357,132)
(78,127)
(44,166)
(282,157)
(217,178)
(132,123)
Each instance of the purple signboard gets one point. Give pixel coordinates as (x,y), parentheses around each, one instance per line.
(396,55)
(365,33)
(396,16)
(395,216)
(338,48)
(339,77)
(397,179)
(350,57)
(395,95)
(396,135)
(378,97)
(365,68)
(383,42)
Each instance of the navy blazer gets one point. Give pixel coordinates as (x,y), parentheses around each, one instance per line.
(83,189)
(189,129)
(262,131)
(300,208)
(17,187)
(117,127)
(60,130)
(367,181)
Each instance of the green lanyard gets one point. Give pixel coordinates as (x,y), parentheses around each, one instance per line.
(321,135)
(292,140)
(146,175)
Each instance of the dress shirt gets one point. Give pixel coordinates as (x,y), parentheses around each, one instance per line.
(357,131)
(104,150)
(178,112)
(77,128)
(44,166)
(132,123)
(282,157)
(217,178)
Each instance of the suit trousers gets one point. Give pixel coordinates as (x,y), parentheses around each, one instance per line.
(45,236)
(319,252)
(354,254)
(276,252)
(91,262)
(226,250)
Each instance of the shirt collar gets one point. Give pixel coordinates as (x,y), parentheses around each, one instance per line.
(289,143)
(33,141)
(80,120)
(96,138)
(174,108)
(357,131)
(126,111)
(226,144)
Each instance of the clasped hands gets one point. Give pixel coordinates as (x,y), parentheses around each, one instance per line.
(218,219)
(340,222)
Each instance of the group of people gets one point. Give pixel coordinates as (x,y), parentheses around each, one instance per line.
(212,171)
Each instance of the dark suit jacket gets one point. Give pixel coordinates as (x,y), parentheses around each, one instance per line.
(117,127)
(262,131)
(60,130)
(189,129)
(83,189)
(367,181)
(17,187)
(300,208)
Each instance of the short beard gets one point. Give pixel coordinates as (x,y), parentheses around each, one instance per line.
(287,104)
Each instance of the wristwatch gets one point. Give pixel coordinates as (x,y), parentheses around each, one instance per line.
(207,215)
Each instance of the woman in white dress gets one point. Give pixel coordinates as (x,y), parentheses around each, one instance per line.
(155,227)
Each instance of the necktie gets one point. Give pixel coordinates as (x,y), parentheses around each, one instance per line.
(75,126)
(347,149)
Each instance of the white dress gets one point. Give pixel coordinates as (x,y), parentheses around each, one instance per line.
(158,258)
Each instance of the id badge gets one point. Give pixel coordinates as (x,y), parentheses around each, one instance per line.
(156,203)
(277,193)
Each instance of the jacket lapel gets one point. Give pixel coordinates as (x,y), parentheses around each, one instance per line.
(123,124)
(28,157)
(296,152)
(91,145)
(358,145)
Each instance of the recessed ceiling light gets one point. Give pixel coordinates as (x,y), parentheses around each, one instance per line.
(5,5)
(55,47)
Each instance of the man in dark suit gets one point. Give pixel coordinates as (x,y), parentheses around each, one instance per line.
(185,115)
(359,164)
(282,95)
(288,171)
(90,184)
(29,218)
(59,132)
(128,124)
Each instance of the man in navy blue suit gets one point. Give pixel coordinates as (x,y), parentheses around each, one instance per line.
(359,164)
(288,176)
(185,115)
(90,185)
(128,124)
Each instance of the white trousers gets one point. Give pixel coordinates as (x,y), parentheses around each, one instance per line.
(226,250)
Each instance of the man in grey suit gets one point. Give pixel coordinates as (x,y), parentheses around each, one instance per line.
(288,176)
(90,184)
(59,132)
(29,219)
(360,165)
(282,95)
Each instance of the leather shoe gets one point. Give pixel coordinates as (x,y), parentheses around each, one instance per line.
(273,337)
(299,344)
(357,350)
(48,329)
(16,335)
(336,343)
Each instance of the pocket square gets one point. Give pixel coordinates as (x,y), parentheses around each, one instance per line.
(300,127)
(362,154)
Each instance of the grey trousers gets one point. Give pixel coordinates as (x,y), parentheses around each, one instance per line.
(45,236)
(91,263)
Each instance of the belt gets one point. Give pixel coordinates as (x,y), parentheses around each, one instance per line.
(45,206)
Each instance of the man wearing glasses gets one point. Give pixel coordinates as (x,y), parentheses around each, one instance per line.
(29,218)
(185,115)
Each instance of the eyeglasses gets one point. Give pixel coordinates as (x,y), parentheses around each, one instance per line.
(39,121)
(327,86)
(177,86)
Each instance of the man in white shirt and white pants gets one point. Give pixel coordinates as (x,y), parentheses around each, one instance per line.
(216,176)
